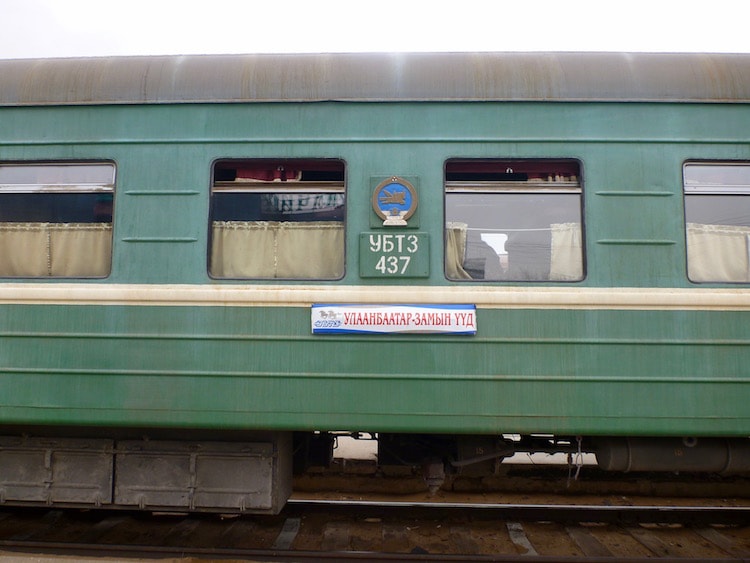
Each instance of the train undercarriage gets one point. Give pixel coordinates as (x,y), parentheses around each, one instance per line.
(252,472)
(440,456)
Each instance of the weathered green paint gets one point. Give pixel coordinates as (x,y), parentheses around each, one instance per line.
(631,157)
(561,371)
(613,372)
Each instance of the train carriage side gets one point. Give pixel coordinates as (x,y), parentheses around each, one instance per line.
(202,256)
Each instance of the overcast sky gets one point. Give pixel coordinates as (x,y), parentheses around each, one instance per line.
(65,28)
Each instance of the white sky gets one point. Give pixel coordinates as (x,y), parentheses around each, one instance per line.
(65,28)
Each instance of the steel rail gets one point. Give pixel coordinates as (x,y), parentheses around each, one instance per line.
(615,514)
(117,552)
(622,515)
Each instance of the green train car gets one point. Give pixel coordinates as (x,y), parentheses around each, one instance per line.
(209,265)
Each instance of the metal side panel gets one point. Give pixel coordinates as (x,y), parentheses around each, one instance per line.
(55,470)
(201,475)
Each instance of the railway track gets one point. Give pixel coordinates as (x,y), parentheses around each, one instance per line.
(390,531)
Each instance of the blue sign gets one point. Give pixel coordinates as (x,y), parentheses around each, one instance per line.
(393,319)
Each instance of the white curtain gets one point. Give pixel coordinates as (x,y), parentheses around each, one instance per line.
(55,249)
(566,260)
(273,249)
(455,251)
(718,253)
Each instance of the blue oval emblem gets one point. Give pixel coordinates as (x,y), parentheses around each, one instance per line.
(394,201)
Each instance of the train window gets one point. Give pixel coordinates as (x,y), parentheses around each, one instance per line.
(515,220)
(717,217)
(277,219)
(56,219)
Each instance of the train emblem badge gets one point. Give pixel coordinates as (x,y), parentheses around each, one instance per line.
(394,201)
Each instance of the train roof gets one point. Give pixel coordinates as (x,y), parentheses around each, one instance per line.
(639,77)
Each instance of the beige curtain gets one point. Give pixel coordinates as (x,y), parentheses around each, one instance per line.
(566,261)
(718,253)
(273,249)
(55,249)
(455,251)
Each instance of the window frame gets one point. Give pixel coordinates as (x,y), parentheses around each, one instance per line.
(294,187)
(697,261)
(520,186)
(55,230)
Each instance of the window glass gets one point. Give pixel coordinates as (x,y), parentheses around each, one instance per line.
(513,220)
(717,217)
(277,219)
(56,219)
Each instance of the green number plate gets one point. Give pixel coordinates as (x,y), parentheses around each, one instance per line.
(394,255)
